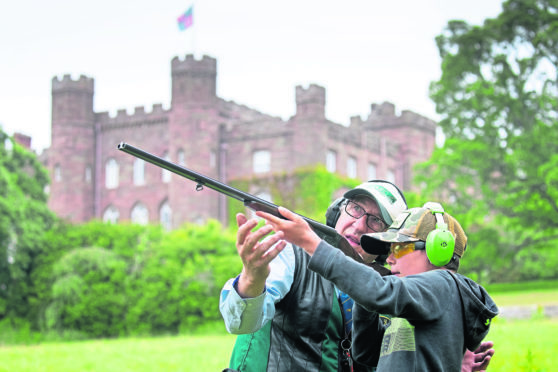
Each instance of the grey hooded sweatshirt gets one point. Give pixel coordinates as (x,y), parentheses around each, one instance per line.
(432,317)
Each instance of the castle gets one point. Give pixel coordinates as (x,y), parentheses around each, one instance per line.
(91,178)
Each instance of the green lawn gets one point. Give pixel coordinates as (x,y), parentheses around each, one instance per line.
(520,346)
(526,345)
(192,353)
(539,297)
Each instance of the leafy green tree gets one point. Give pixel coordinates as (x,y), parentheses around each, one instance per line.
(497,97)
(84,274)
(88,293)
(179,283)
(104,280)
(61,239)
(24,218)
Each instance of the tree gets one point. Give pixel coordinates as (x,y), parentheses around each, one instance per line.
(498,99)
(177,285)
(88,293)
(105,280)
(24,217)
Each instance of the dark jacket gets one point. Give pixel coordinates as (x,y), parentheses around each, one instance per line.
(305,332)
(436,315)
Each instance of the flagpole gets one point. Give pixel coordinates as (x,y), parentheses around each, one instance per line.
(194,34)
(185,23)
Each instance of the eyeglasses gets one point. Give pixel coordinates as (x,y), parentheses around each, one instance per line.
(401,249)
(356,211)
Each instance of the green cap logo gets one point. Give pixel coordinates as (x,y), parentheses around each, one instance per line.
(386,193)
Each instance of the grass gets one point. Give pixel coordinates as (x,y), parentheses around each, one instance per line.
(541,293)
(541,297)
(181,353)
(524,286)
(526,345)
(521,345)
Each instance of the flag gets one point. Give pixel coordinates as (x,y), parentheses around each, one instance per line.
(186,20)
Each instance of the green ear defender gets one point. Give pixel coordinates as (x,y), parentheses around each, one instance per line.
(439,242)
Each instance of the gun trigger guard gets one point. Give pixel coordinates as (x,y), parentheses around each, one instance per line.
(199,187)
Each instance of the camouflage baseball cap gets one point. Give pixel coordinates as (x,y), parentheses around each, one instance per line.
(389,198)
(410,226)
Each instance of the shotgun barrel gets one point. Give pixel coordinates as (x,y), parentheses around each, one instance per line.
(325,232)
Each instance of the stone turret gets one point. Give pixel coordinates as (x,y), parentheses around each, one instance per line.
(72,154)
(72,100)
(193,81)
(310,102)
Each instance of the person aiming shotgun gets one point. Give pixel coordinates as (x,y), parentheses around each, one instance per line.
(290,318)
(334,216)
(434,314)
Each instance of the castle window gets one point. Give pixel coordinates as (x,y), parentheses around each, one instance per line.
(166,175)
(212,159)
(88,174)
(139,214)
(181,157)
(139,172)
(331,161)
(371,171)
(111,215)
(352,167)
(165,216)
(261,161)
(111,174)
(57,173)
(390,176)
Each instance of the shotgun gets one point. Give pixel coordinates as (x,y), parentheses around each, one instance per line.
(325,232)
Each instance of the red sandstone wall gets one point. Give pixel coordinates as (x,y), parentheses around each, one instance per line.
(218,139)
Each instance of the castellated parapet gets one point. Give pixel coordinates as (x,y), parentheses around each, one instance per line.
(310,101)
(385,109)
(411,117)
(189,65)
(383,116)
(141,114)
(68,84)
(72,102)
(193,81)
(223,139)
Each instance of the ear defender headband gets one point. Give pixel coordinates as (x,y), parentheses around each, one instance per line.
(333,212)
(439,242)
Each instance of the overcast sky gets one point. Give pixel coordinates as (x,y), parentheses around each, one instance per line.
(362,52)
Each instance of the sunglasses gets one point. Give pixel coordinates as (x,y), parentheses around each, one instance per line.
(401,249)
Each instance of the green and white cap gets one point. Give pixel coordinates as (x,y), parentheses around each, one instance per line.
(389,198)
